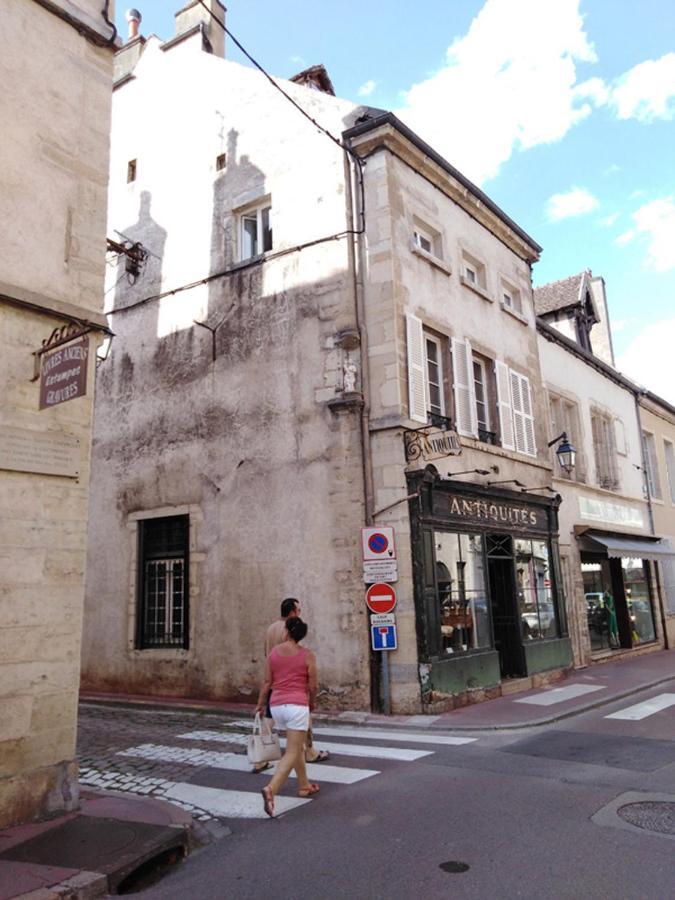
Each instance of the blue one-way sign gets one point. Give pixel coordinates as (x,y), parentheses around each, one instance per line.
(383,637)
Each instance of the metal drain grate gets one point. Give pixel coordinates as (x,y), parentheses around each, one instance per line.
(652,815)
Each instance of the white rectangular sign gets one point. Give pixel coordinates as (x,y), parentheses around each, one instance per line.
(378,542)
(383,618)
(380,570)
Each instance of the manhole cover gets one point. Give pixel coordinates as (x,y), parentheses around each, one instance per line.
(454,866)
(653,815)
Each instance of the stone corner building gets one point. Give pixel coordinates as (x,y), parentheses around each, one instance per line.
(56,61)
(319,337)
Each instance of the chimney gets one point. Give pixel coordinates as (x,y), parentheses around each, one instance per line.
(133,18)
(194,14)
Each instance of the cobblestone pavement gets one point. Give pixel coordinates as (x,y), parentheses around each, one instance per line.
(104,733)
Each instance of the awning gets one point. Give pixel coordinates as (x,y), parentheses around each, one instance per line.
(626,546)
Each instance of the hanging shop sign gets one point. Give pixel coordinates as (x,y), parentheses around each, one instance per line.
(63,373)
(430,443)
(493,513)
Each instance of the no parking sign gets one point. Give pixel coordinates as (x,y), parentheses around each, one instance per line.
(378,543)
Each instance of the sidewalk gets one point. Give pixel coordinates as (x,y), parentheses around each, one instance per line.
(90,852)
(583,689)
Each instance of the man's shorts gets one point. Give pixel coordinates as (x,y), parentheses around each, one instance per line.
(291,715)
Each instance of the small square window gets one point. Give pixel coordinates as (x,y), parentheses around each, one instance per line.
(470,274)
(424,241)
(511,298)
(255,232)
(221,162)
(131,171)
(473,273)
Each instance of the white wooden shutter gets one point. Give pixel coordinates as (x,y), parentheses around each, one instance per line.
(517,406)
(465,402)
(504,405)
(528,416)
(417,377)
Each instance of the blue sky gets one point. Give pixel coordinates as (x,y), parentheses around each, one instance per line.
(561,110)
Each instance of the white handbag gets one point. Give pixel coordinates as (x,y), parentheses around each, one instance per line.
(263,744)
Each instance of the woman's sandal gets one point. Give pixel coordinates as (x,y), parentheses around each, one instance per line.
(309,791)
(321,756)
(268,801)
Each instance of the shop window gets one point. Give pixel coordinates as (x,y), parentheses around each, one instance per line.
(163,583)
(534,585)
(255,231)
(640,613)
(669,454)
(651,466)
(461,593)
(604,450)
(565,417)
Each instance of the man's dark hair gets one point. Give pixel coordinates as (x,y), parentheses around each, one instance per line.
(287,607)
(296,628)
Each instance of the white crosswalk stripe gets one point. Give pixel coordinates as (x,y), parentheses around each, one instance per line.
(407,737)
(558,695)
(237,762)
(230,804)
(400,753)
(642,710)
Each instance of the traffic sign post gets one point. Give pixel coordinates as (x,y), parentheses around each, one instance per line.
(380,598)
(378,543)
(383,637)
(380,570)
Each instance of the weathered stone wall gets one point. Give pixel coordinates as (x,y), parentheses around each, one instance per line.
(245,443)
(56,109)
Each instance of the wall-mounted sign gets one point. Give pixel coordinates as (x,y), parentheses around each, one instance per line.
(378,542)
(63,373)
(495,513)
(380,570)
(430,443)
(41,452)
(604,511)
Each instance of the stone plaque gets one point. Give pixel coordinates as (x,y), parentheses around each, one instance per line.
(63,373)
(41,452)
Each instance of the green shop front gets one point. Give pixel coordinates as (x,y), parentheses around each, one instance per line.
(488,596)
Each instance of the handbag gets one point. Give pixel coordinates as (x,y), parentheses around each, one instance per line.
(263,744)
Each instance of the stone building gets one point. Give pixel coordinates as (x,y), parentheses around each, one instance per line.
(56,63)
(613,556)
(329,331)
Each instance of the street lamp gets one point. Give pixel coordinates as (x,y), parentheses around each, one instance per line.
(567,455)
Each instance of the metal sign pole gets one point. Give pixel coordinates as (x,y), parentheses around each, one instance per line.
(386,696)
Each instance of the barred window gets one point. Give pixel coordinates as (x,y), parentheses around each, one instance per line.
(163,583)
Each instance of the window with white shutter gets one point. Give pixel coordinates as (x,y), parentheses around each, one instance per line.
(465,401)
(604,450)
(417,381)
(653,479)
(523,420)
(504,406)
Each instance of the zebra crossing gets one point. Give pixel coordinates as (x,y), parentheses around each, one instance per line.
(229,796)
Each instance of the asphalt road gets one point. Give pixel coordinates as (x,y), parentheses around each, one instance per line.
(529,814)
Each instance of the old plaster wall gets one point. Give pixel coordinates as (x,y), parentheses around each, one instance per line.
(56,108)
(570,377)
(402,281)
(246,444)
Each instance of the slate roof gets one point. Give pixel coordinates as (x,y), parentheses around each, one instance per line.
(558,294)
(316,76)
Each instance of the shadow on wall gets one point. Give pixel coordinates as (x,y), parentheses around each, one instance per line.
(152,236)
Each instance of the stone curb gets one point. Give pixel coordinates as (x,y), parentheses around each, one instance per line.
(83,886)
(381,721)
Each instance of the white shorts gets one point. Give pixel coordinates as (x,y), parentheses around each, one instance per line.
(291,715)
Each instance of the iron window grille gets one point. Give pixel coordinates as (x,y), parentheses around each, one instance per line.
(163,583)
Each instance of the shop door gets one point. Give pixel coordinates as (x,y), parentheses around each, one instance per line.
(504,606)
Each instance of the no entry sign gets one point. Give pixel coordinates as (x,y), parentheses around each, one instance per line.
(381,598)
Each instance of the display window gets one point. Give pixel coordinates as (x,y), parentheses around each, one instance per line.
(534,585)
(619,607)
(461,591)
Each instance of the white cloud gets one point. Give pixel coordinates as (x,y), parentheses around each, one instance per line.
(367,89)
(612,170)
(648,358)
(575,202)
(647,91)
(298,60)
(608,221)
(509,83)
(655,223)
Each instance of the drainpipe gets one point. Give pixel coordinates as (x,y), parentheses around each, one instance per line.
(357,264)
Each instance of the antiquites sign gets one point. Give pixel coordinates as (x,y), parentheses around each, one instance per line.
(63,373)
(427,445)
(497,513)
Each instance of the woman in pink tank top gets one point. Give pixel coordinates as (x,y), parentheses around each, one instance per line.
(291,677)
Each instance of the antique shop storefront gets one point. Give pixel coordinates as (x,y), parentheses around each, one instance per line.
(488,600)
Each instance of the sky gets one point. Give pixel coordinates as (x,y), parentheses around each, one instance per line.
(562,111)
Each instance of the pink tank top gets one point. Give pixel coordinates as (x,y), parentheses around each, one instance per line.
(290,678)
